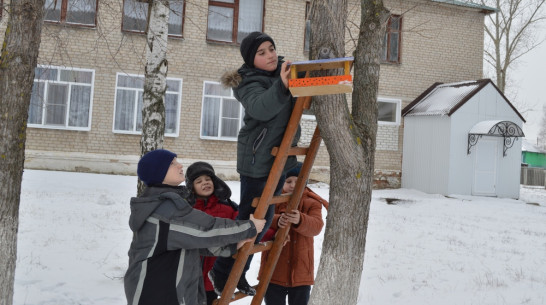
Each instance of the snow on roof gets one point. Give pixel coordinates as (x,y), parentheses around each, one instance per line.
(485,9)
(442,98)
(497,128)
(445,99)
(483,127)
(527,145)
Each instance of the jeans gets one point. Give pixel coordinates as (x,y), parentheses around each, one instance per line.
(250,189)
(276,295)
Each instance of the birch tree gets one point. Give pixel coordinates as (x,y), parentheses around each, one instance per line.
(18,59)
(510,34)
(350,137)
(155,83)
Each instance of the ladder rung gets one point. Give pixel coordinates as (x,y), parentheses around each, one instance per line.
(274,200)
(259,247)
(239,295)
(293,151)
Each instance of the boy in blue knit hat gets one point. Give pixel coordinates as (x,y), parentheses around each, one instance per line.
(169,236)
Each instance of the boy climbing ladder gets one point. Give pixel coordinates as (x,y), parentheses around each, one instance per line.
(266,149)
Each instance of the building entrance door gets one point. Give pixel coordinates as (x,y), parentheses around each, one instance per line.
(485,167)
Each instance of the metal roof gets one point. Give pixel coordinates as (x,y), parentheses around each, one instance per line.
(445,99)
(498,128)
(510,131)
(441,99)
(484,9)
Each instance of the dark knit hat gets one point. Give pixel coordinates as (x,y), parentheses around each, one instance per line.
(294,172)
(250,45)
(221,189)
(153,166)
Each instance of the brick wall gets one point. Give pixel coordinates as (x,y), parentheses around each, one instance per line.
(440,43)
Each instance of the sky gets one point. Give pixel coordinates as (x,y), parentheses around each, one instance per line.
(425,249)
(529,82)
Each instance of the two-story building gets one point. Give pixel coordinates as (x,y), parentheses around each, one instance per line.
(85,108)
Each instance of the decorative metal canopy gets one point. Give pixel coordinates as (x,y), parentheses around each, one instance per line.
(506,129)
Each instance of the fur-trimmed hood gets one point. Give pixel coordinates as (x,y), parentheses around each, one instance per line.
(233,78)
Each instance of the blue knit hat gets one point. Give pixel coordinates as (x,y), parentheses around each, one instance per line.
(153,166)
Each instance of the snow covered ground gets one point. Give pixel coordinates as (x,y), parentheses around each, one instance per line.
(424,249)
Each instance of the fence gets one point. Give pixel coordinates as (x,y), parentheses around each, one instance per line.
(533,176)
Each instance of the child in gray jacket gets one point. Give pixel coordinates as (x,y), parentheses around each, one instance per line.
(169,236)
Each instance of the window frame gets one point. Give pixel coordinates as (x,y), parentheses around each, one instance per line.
(219,137)
(64,8)
(235,25)
(398,110)
(135,114)
(144,32)
(65,127)
(388,32)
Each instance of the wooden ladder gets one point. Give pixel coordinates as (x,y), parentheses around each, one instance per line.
(311,86)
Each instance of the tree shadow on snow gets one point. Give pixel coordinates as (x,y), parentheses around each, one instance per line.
(396,201)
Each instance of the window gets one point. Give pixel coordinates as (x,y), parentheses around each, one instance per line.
(222,114)
(81,12)
(135,16)
(391,43)
(128,104)
(233,20)
(61,98)
(389,111)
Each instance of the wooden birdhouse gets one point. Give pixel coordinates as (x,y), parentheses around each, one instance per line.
(311,86)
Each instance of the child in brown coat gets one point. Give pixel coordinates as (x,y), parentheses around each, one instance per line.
(294,273)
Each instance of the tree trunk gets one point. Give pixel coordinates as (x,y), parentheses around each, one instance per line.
(155,83)
(350,139)
(17,62)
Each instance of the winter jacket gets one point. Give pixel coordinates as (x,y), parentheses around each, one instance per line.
(295,266)
(217,208)
(268,106)
(168,238)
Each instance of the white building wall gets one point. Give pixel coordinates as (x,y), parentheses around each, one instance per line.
(461,165)
(509,172)
(426,149)
(486,105)
(387,137)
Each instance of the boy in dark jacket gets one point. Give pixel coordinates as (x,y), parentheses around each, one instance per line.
(169,236)
(209,194)
(261,86)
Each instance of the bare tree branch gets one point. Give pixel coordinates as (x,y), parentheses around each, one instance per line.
(509,34)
